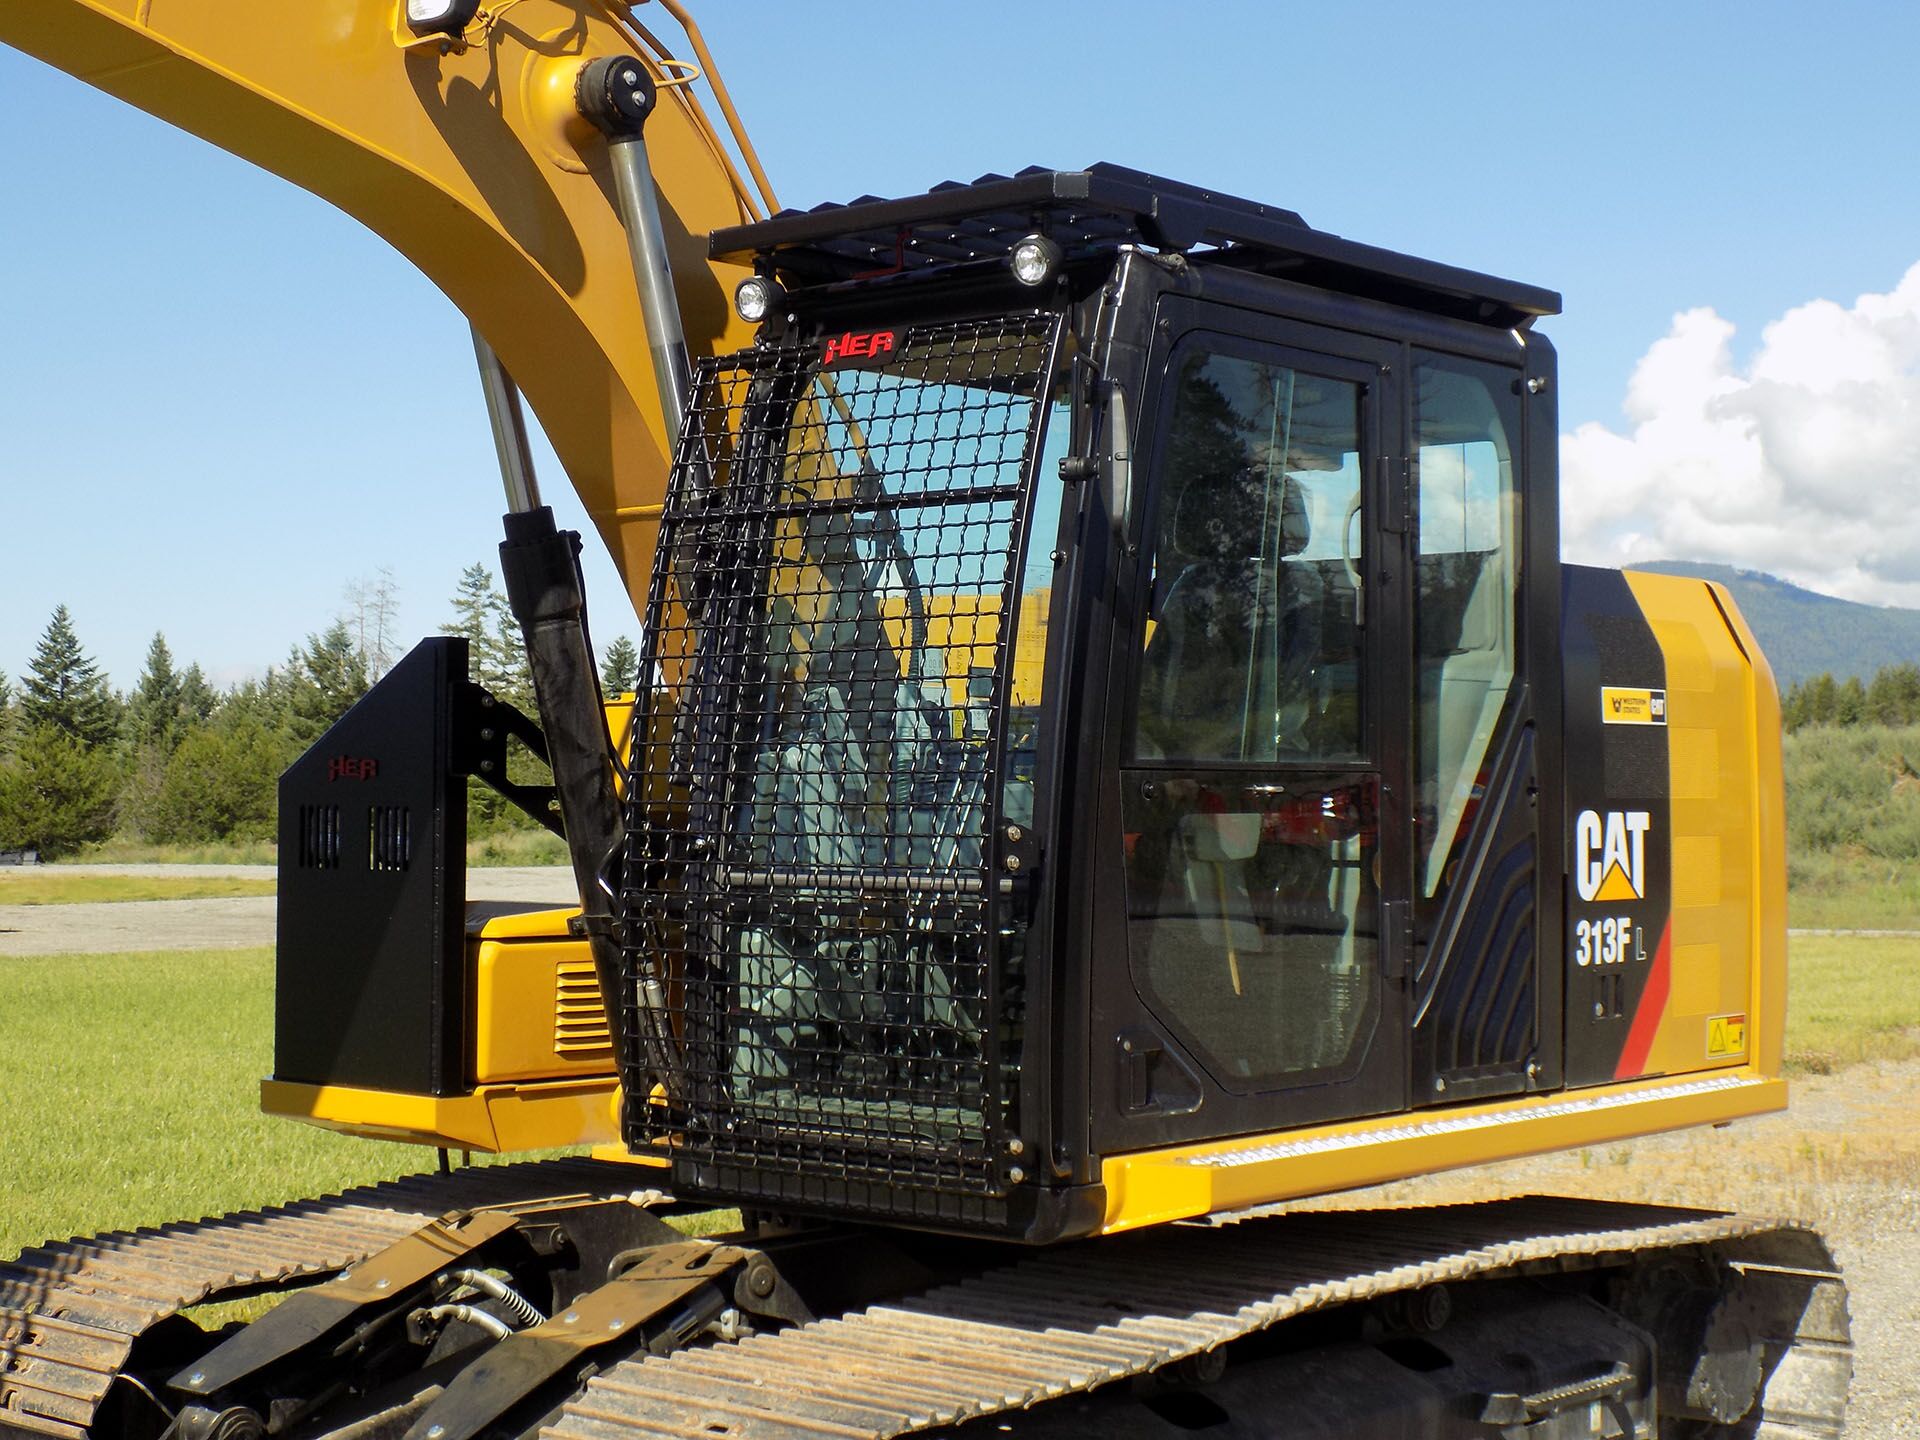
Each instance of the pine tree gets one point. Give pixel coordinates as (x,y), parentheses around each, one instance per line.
(1793,707)
(496,657)
(1850,703)
(57,794)
(6,710)
(1894,696)
(220,785)
(1821,699)
(620,669)
(65,691)
(325,678)
(198,700)
(155,715)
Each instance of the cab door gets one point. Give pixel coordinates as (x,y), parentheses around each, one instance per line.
(1251,938)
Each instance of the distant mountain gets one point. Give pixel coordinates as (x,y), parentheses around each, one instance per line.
(1804,633)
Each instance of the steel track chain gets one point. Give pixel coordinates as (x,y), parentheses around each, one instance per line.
(70,1312)
(1068,1320)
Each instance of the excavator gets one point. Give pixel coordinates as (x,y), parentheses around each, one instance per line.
(1117,754)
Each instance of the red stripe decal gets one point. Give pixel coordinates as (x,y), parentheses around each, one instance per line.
(1653,1005)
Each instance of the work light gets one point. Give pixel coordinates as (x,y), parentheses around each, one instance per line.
(440,17)
(755,298)
(1033,259)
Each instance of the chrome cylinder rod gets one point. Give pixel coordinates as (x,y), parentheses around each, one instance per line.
(509,429)
(616,94)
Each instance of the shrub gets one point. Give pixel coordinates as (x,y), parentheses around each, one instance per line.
(56,794)
(220,784)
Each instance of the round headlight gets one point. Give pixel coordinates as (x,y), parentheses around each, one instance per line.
(756,297)
(1033,259)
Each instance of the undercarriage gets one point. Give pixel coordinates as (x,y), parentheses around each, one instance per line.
(559,1298)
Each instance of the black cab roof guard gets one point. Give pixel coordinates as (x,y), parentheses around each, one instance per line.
(1099,209)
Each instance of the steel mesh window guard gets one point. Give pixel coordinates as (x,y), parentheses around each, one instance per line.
(825,641)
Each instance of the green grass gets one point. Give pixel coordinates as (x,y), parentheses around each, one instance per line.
(506,847)
(517,847)
(131,1091)
(49,886)
(1828,891)
(131,1097)
(119,851)
(1851,999)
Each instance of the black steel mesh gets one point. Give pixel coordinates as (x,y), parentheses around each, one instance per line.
(833,964)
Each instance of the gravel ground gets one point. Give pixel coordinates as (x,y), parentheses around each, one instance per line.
(224,924)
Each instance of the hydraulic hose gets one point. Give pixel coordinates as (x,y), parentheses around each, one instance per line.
(519,1309)
(495,1327)
(541,566)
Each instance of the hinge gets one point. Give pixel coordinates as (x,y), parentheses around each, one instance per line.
(1396,938)
(1393,493)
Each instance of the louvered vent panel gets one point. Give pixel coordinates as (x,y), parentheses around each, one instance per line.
(579,1019)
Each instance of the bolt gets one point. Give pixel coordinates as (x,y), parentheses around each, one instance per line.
(1016,1175)
(632,77)
(1598,1010)
(1016,1146)
(382,1283)
(761,1280)
(486,732)
(198,1377)
(1439,1085)
(434,1432)
(572,1317)
(614,1327)
(1127,1046)
(1013,862)
(486,764)
(1015,834)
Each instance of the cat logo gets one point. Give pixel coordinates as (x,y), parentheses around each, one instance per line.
(1610,854)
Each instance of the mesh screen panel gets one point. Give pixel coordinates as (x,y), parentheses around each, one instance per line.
(833,963)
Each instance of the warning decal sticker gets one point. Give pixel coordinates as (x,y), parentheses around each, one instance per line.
(1726,1035)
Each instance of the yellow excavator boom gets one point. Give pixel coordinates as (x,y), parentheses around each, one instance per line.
(470,158)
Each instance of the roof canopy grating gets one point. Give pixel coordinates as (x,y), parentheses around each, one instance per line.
(1098,209)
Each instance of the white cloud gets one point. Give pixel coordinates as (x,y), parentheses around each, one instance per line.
(1804,463)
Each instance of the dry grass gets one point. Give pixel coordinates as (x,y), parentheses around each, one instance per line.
(505,847)
(120,851)
(49,886)
(1851,999)
(1856,891)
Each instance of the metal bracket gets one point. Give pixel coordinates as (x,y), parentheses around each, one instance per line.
(661,1298)
(382,1285)
(482,722)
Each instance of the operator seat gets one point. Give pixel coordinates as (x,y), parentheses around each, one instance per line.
(1228,673)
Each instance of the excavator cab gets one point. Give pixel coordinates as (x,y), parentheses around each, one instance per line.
(1076,732)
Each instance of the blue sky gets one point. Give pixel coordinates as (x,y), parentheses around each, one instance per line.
(211,384)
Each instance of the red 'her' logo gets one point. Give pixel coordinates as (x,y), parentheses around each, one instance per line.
(856,345)
(352,767)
